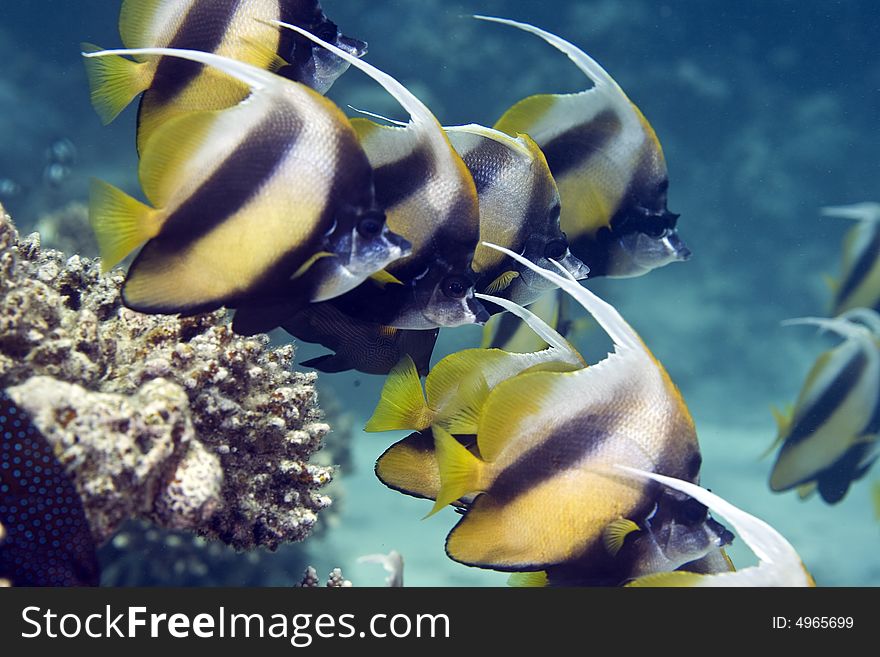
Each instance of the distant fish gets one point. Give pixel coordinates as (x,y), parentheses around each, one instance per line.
(830,438)
(547,443)
(391,562)
(519,209)
(859,285)
(238,29)
(609,166)
(508,332)
(272,198)
(359,345)
(48,541)
(778,562)
(458,386)
(430,199)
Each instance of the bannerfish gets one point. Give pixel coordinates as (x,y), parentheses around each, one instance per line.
(609,166)
(238,29)
(830,438)
(519,209)
(508,332)
(48,541)
(859,284)
(778,562)
(547,443)
(358,345)
(429,198)
(458,386)
(272,198)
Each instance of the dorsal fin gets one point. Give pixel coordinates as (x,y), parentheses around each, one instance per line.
(514,143)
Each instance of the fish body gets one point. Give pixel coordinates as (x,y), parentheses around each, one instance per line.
(48,541)
(359,345)
(830,440)
(238,29)
(270,198)
(859,284)
(778,562)
(519,209)
(609,166)
(458,386)
(547,443)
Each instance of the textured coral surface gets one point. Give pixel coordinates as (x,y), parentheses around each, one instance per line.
(142,408)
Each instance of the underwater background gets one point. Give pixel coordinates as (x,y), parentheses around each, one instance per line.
(767,111)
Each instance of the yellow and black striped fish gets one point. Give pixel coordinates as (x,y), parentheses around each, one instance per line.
(358,345)
(270,198)
(830,439)
(238,29)
(859,284)
(547,446)
(519,209)
(609,166)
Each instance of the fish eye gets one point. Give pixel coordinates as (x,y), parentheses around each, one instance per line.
(327,32)
(455,287)
(555,249)
(655,229)
(370,225)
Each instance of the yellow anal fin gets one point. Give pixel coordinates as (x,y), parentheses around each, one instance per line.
(402,404)
(410,466)
(804,491)
(615,534)
(677,578)
(502,282)
(528,580)
(120,223)
(114,82)
(460,470)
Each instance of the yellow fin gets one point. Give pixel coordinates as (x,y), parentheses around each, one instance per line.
(410,466)
(528,580)
(875,497)
(466,418)
(460,471)
(402,403)
(383,278)
(120,222)
(615,534)
(676,578)
(304,267)
(525,114)
(114,82)
(261,55)
(805,490)
(831,283)
(388,331)
(170,150)
(783,424)
(135,20)
(502,282)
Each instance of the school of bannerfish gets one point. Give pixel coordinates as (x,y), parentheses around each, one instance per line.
(368,237)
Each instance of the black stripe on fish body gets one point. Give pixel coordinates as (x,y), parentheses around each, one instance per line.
(302,13)
(863,266)
(576,145)
(834,482)
(234,183)
(508,325)
(397,181)
(203,28)
(565,448)
(48,540)
(829,401)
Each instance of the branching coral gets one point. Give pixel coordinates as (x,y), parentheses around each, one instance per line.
(143,408)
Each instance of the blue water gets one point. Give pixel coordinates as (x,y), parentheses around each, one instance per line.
(767,111)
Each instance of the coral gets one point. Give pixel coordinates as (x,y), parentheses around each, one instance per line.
(335,580)
(184,392)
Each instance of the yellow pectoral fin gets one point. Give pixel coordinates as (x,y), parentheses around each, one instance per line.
(120,223)
(311,261)
(114,82)
(528,580)
(502,282)
(384,278)
(460,471)
(402,404)
(615,534)
(261,55)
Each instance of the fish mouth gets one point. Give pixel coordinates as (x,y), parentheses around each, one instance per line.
(352,46)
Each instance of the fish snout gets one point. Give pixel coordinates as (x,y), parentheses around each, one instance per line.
(678,247)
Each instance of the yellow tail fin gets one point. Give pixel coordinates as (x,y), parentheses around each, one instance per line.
(120,222)
(402,404)
(528,580)
(461,472)
(114,81)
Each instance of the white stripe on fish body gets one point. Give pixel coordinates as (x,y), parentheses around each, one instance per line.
(162,26)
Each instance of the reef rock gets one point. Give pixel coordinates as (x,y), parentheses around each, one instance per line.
(146,406)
